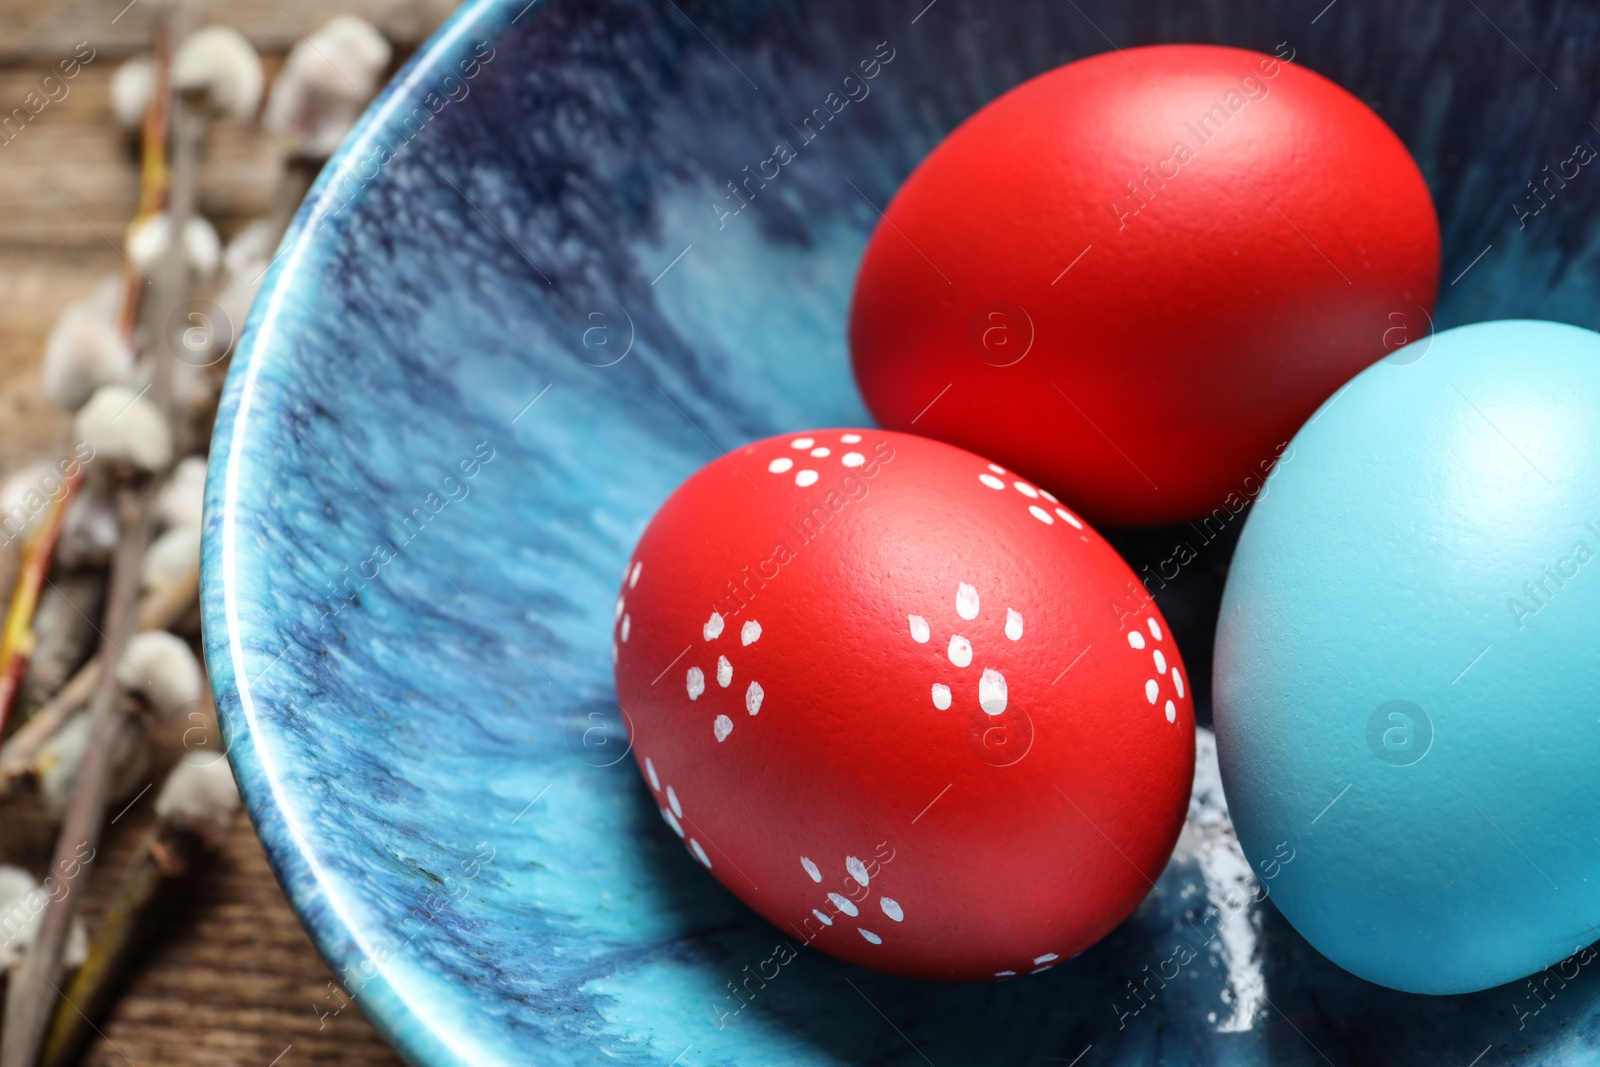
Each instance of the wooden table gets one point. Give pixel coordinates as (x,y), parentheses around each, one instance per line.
(228,975)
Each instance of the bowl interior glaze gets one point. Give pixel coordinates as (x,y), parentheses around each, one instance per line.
(518,308)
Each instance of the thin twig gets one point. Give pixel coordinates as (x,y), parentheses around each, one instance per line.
(162,608)
(194,808)
(32,997)
(17,642)
(166,855)
(154,177)
(157,611)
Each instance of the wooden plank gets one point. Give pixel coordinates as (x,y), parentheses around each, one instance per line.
(70,176)
(33,290)
(116,28)
(231,978)
(228,975)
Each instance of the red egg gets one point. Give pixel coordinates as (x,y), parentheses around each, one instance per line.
(903,703)
(1135,276)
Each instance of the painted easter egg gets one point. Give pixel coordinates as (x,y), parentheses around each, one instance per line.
(904,703)
(1133,277)
(1407,693)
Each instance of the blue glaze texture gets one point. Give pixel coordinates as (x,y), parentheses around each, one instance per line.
(504,326)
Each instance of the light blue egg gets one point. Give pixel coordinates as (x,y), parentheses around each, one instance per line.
(1408,663)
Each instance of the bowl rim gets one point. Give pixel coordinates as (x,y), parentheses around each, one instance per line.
(402,999)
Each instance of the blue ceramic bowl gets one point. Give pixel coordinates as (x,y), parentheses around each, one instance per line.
(518,308)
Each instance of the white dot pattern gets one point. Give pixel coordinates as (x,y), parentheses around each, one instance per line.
(1014,624)
(754,693)
(633,579)
(672,812)
(992,479)
(1158,659)
(808,476)
(992,692)
(840,904)
(960,651)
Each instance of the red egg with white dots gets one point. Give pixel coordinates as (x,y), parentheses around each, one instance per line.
(904,703)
